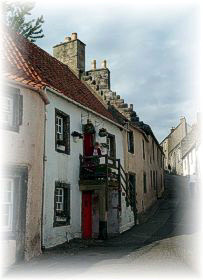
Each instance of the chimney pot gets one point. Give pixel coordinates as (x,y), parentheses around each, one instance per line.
(94,64)
(74,36)
(182,119)
(67,39)
(103,65)
(131,107)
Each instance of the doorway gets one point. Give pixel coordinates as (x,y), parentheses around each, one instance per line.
(88,143)
(132,192)
(87,214)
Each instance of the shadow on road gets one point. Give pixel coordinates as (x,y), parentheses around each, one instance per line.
(175,216)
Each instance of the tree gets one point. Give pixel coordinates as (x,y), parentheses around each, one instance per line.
(14,16)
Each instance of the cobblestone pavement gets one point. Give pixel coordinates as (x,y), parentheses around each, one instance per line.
(166,245)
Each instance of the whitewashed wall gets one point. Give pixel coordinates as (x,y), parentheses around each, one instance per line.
(25,148)
(59,166)
(189,163)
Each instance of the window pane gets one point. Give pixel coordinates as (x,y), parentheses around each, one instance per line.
(59,199)
(59,125)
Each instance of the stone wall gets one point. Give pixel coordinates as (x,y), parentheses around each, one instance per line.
(172,147)
(72,53)
(177,135)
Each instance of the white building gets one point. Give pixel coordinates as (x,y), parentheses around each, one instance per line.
(189,147)
(62,176)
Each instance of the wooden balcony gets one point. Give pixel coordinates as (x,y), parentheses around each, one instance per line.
(99,172)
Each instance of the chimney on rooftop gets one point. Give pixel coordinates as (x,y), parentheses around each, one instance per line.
(67,39)
(182,119)
(72,53)
(94,64)
(172,129)
(103,64)
(74,36)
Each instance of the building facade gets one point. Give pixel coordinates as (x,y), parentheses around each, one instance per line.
(190,149)
(144,174)
(22,129)
(172,147)
(87,215)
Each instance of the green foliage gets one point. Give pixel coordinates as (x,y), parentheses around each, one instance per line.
(14,16)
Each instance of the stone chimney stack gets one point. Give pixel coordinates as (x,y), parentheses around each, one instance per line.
(94,64)
(72,53)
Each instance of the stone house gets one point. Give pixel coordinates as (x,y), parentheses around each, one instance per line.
(144,173)
(22,129)
(172,147)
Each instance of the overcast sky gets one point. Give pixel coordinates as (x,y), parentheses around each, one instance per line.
(151,50)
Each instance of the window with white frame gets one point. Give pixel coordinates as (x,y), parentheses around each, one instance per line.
(61,204)
(59,199)
(59,127)
(6,203)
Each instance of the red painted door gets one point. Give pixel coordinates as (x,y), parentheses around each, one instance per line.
(88,144)
(86,215)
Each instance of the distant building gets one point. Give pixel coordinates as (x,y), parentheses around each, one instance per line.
(190,151)
(172,147)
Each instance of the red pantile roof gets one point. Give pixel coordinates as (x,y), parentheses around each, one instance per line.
(28,64)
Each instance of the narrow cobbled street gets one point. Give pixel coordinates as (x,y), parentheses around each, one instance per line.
(164,245)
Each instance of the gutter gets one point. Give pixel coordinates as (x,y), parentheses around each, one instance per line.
(44,169)
(84,107)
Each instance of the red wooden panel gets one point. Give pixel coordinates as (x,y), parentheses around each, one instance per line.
(88,144)
(87,215)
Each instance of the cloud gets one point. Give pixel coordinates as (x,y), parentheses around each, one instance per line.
(150,51)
